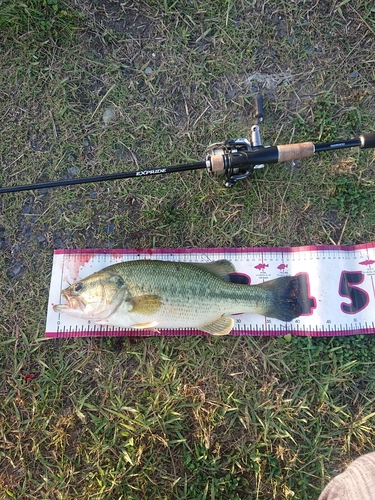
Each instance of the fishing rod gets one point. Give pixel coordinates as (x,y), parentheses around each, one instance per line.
(235,159)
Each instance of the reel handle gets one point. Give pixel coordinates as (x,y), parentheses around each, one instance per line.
(258,107)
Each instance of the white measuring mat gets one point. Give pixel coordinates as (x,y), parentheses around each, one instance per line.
(340,292)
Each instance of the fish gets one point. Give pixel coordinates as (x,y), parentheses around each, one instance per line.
(367,262)
(282,267)
(156,294)
(261,267)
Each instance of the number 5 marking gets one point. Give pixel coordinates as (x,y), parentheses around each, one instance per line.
(359,298)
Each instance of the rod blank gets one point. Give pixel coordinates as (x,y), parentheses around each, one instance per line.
(102,178)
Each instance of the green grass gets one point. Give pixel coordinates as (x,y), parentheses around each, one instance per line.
(193,418)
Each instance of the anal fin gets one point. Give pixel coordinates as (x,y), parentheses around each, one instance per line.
(221,326)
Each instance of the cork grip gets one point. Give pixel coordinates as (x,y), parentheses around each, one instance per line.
(289,152)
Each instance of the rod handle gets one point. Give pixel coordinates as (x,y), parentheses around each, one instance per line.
(367,140)
(288,152)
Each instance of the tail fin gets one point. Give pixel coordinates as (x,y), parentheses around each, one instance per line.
(290,297)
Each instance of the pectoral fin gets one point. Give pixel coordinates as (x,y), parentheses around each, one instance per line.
(221,326)
(146,304)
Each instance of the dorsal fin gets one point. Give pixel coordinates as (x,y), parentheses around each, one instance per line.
(220,268)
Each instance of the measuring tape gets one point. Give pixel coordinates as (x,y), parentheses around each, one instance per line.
(340,285)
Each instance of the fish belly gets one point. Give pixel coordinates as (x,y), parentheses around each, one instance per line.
(170,315)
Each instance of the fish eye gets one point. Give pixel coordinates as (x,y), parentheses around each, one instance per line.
(78,287)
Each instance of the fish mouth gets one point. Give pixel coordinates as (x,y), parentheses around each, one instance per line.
(73,302)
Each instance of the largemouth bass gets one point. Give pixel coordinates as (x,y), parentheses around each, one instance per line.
(152,294)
